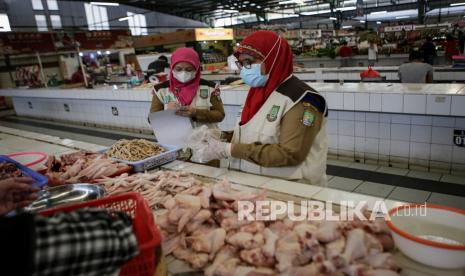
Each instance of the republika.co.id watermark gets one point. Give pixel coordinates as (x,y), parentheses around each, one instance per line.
(270,210)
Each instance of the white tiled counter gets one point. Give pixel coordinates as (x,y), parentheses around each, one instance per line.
(402,125)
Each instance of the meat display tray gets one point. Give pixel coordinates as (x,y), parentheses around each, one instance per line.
(169,155)
(40,180)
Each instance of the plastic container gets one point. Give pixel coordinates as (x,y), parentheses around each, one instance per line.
(42,156)
(40,180)
(169,155)
(143,224)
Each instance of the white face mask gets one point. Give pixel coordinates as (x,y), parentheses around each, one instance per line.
(184,76)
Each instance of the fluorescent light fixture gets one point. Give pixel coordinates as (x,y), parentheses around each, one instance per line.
(99,53)
(362,21)
(378,22)
(230,11)
(457,4)
(346,27)
(378,12)
(81,54)
(315,12)
(346,9)
(107,52)
(124,18)
(333,18)
(289,2)
(402,17)
(104,4)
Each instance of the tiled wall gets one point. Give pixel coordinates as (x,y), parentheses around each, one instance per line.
(414,141)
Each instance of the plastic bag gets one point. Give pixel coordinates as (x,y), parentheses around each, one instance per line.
(199,141)
(370,73)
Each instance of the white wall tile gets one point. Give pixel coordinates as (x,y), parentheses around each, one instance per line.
(384,146)
(442,135)
(346,115)
(335,100)
(441,153)
(333,138)
(359,144)
(375,102)
(384,131)
(372,130)
(346,142)
(371,145)
(458,155)
(359,129)
(438,104)
(422,120)
(458,106)
(332,114)
(392,102)
(400,132)
(420,150)
(346,127)
(384,118)
(372,117)
(360,116)
(415,104)
(349,101)
(362,101)
(443,121)
(400,148)
(460,122)
(401,119)
(332,126)
(420,134)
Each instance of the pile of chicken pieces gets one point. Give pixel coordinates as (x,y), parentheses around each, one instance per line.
(154,187)
(80,167)
(201,226)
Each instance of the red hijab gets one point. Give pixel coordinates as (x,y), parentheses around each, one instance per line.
(185,92)
(263,44)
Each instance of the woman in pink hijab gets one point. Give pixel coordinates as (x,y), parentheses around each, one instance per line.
(187,92)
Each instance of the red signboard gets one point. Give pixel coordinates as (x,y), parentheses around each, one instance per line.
(21,43)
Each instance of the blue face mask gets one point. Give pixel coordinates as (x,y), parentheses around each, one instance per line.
(253,76)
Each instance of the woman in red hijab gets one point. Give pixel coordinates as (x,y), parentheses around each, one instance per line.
(282,129)
(187,92)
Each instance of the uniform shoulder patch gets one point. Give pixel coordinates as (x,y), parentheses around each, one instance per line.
(273,113)
(203,93)
(308,118)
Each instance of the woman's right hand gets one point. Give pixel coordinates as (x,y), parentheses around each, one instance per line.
(172,105)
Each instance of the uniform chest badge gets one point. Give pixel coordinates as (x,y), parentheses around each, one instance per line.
(273,114)
(308,118)
(204,93)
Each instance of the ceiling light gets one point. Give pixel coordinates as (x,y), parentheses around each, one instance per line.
(346,27)
(346,9)
(252,4)
(107,52)
(457,4)
(300,2)
(315,12)
(124,18)
(230,11)
(362,21)
(259,7)
(99,53)
(105,4)
(333,18)
(378,22)
(402,17)
(379,12)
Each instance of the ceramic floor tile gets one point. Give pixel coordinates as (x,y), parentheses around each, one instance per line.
(448,200)
(181,166)
(208,171)
(424,175)
(391,170)
(389,203)
(345,198)
(362,166)
(375,189)
(172,164)
(343,183)
(246,179)
(409,195)
(457,179)
(292,188)
(339,163)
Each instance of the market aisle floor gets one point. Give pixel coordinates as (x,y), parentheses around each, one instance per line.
(385,182)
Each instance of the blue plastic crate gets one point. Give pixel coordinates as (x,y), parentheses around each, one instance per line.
(169,155)
(40,180)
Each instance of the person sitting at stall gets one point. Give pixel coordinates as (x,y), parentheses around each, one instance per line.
(282,130)
(77,76)
(416,71)
(429,51)
(345,52)
(84,242)
(159,65)
(187,92)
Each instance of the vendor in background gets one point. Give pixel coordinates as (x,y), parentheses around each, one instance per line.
(450,47)
(186,92)
(345,52)
(232,66)
(282,130)
(416,71)
(159,65)
(77,76)
(461,37)
(372,53)
(67,244)
(429,51)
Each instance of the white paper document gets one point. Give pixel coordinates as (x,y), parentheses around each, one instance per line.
(169,128)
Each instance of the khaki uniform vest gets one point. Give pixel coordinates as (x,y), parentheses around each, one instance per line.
(264,128)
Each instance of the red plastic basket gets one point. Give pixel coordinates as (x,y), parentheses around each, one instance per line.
(143,223)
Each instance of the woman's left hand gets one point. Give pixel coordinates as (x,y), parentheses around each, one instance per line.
(186,111)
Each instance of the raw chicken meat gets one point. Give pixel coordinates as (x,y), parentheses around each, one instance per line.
(196,260)
(210,243)
(246,240)
(256,257)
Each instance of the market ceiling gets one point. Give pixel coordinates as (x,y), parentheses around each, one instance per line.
(209,9)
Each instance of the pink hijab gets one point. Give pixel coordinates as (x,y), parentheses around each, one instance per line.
(185,92)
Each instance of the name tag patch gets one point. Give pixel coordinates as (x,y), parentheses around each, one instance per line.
(273,114)
(203,93)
